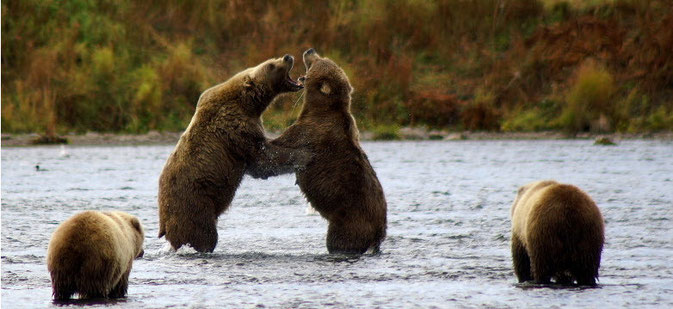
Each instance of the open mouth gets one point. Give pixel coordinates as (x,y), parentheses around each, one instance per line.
(293,84)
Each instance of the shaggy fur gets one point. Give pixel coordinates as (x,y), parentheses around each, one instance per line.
(224,140)
(91,254)
(339,182)
(557,232)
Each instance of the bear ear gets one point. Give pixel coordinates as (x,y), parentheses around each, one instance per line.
(136,224)
(325,89)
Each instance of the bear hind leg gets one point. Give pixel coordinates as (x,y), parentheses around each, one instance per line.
(586,280)
(342,239)
(62,286)
(120,289)
(62,293)
(205,240)
(541,270)
(585,275)
(202,236)
(563,278)
(521,261)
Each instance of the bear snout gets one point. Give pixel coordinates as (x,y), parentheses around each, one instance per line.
(288,58)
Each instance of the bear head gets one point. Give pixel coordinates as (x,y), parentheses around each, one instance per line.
(271,77)
(137,229)
(326,84)
(526,190)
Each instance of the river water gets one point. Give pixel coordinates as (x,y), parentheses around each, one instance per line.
(448,232)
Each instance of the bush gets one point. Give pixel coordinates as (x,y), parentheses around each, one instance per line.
(588,100)
(526,121)
(386,132)
(660,120)
(481,113)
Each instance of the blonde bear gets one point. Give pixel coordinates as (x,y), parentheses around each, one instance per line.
(557,232)
(91,254)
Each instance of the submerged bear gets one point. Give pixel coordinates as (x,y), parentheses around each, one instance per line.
(557,233)
(338,181)
(91,254)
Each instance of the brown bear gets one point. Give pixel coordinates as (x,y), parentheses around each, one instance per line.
(338,181)
(557,232)
(91,254)
(224,140)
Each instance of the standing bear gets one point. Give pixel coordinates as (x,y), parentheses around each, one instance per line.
(91,254)
(557,232)
(338,181)
(224,140)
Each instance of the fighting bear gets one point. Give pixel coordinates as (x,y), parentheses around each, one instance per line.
(224,140)
(338,181)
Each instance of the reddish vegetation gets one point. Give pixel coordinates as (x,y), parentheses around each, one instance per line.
(434,108)
(479,65)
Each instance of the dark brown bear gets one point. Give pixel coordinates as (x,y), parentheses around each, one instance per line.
(557,232)
(224,140)
(339,182)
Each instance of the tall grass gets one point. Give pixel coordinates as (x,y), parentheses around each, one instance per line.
(134,66)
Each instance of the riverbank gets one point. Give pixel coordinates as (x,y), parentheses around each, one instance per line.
(159,138)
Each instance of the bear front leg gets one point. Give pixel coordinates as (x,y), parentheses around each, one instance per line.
(521,260)
(273,160)
(344,238)
(197,230)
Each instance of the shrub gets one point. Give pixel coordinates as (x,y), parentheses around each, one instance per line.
(434,108)
(526,121)
(661,119)
(386,132)
(481,113)
(588,99)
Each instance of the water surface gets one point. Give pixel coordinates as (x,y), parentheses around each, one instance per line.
(448,230)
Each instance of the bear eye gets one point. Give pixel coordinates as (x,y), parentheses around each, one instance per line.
(271,66)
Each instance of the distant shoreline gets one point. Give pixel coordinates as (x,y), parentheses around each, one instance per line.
(405,134)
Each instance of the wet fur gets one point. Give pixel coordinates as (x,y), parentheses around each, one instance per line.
(339,181)
(91,254)
(224,140)
(557,233)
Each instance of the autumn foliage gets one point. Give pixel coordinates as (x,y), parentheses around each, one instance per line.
(518,65)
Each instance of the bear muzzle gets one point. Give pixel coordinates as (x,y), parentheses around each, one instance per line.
(292,85)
